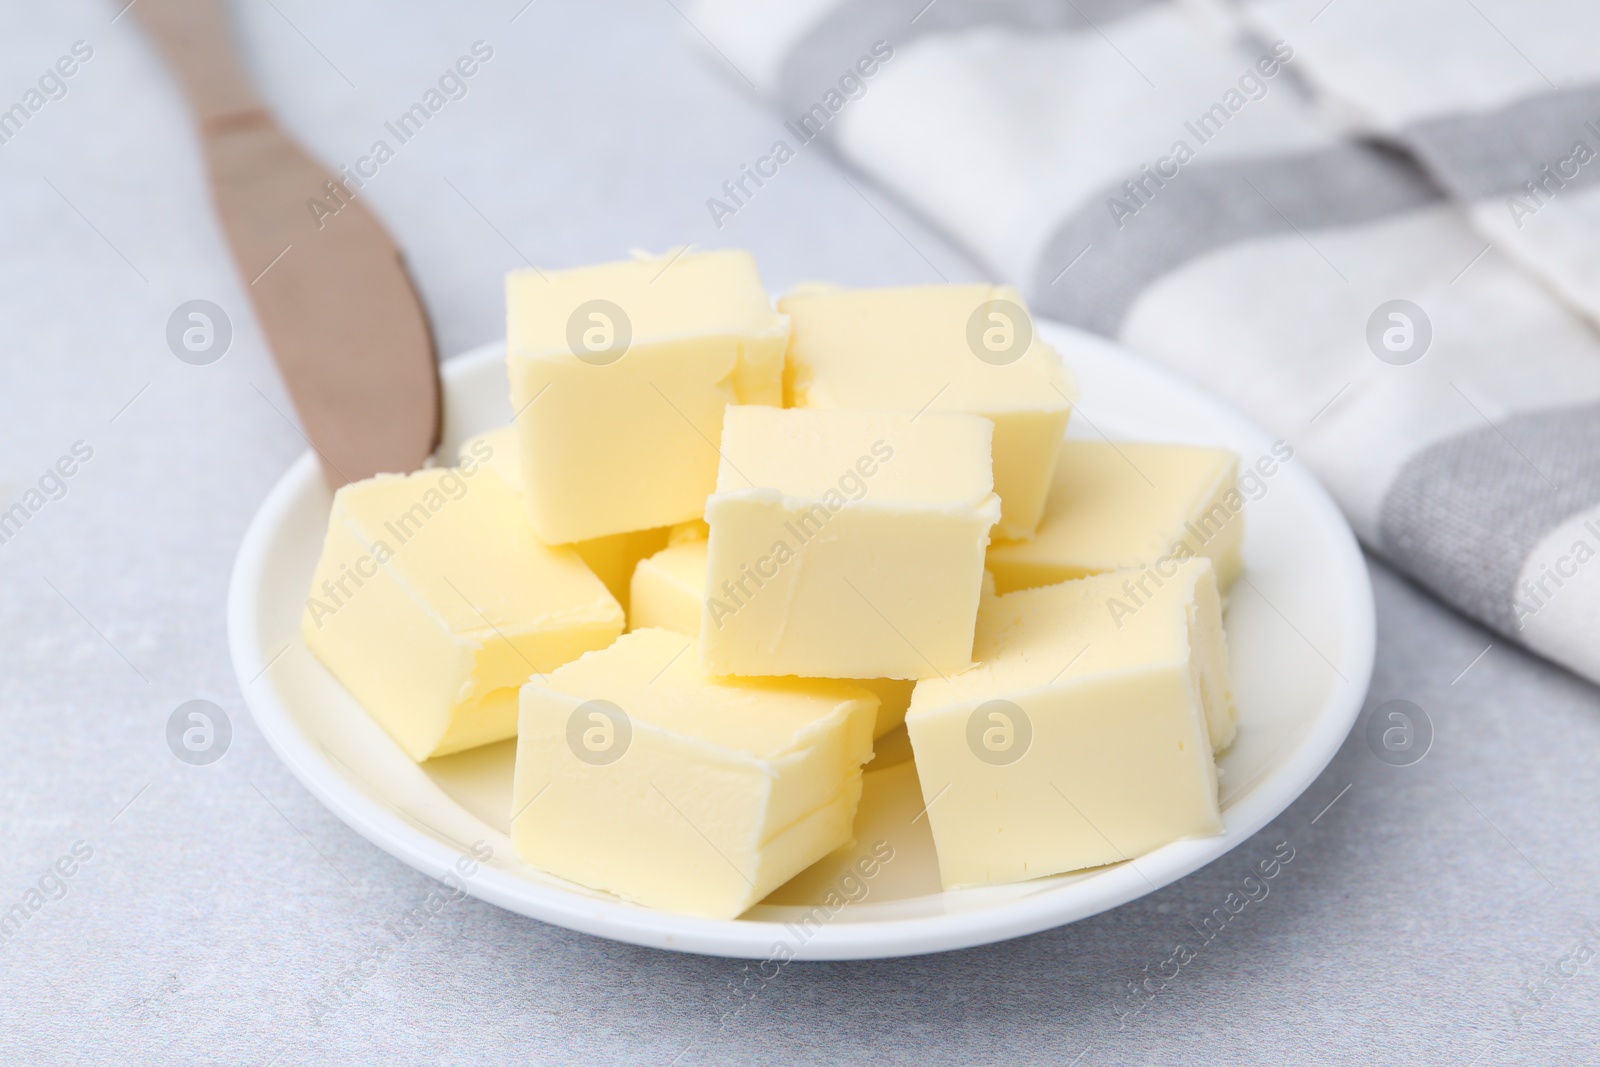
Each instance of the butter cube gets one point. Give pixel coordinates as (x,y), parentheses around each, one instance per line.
(894,697)
(966,348)
(891,858)
(433,602)
(1126,505)
(619,377)
(496,451)
(668,588)
(639,776)
(846,544)
(611,558)
(1084,736)
(667,592)
(693,530)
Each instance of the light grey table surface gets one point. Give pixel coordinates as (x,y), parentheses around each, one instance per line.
(1436,913)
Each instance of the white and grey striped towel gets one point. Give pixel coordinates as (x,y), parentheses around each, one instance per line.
(1308,207)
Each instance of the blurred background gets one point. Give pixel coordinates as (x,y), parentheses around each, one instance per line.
(1435,912)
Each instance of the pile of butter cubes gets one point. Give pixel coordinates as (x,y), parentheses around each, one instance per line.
(726,551)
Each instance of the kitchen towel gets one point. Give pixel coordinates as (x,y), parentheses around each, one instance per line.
(1499,101)
(1221,189)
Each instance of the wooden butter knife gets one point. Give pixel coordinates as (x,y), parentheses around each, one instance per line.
(344,323)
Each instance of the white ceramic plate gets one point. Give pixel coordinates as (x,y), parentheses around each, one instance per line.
(1300,634)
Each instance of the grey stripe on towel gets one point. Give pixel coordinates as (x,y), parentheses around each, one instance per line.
(1464,513)
(847,32)
(1494,153)
(1205,207)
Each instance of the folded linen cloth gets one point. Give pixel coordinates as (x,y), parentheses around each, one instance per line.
(1499,101)
(1158,173)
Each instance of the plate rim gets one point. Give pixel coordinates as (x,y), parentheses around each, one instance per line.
(426,851)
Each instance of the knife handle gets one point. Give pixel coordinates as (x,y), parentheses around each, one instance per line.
(193,35)
(341,315)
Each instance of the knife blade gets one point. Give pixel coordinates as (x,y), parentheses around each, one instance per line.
(343,320)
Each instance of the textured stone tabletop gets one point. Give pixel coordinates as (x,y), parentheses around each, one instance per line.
(1435,913)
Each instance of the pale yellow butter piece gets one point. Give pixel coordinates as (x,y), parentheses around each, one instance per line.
(496,451)
(967,348)
(894,697)
(1128,505)
(639,776)
(693,530)
(619,376)
(846,544)
(668,589)
(612,558)
(890,749)
(891,858)
(1083,737)
(433,602)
